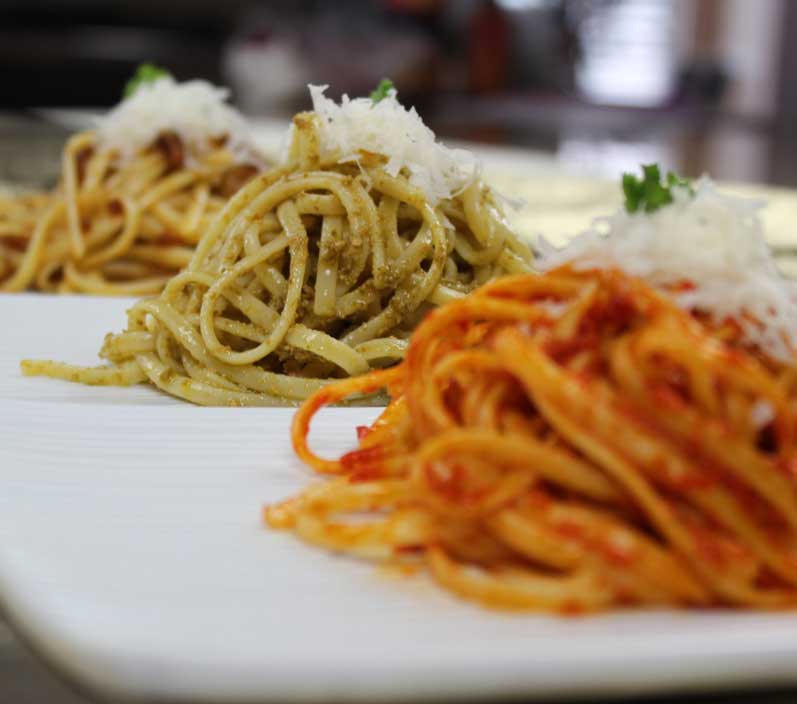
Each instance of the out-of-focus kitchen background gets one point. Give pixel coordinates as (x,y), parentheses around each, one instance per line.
(600,85)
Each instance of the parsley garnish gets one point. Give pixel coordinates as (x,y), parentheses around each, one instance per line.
(145,73)
(384,87)
(649,193)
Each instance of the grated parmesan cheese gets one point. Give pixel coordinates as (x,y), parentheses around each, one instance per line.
(711,240)
(390,129)
(762,413)
(195,110)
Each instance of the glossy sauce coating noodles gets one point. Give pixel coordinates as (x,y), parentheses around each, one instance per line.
(315,270)
(113,226)
(572,442)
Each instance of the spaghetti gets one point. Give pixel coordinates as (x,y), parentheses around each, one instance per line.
(119,223)
(571,442)
(319,268)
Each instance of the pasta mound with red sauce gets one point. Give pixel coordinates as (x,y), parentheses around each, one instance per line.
(573,442)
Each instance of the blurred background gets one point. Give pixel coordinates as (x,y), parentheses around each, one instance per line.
(599,85)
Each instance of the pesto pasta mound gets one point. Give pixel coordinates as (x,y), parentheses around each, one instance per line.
(317,269)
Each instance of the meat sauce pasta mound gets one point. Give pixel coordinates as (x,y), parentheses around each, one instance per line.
(572,442)
(123,221)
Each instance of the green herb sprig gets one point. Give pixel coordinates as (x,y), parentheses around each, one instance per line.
(382,90)
(145,73)
(649,193)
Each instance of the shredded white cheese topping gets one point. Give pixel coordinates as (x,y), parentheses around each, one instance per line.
(195,110)
(762,413)
(390,129)
(711,240)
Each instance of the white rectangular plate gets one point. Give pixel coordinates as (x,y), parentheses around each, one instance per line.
(132,556)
